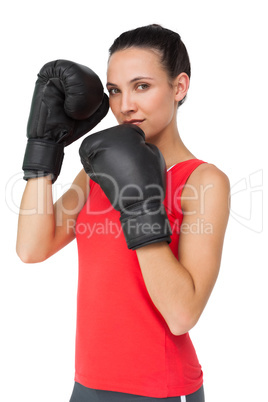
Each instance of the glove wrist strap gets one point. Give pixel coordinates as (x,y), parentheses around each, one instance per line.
(42,158)
(146,228)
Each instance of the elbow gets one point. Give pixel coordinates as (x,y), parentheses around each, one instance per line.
(29,260)
(28,257)
(182,324)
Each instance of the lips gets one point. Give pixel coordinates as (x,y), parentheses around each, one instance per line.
(134,121)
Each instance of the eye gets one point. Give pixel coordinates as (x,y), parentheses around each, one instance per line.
(113,91)
(142,87)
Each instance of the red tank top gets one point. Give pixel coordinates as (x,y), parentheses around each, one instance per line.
(122,341)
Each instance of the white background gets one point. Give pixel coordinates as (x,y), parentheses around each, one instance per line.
(224,121)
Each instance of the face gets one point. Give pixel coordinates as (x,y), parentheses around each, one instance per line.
(140,91)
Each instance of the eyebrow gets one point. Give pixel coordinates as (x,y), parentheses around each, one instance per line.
(131,81)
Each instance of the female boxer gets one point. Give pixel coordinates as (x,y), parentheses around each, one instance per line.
(149,223)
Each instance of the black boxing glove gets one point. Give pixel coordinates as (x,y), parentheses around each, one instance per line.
(68,101)
(132,174)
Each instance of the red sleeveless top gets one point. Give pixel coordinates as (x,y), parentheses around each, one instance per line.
(123,343)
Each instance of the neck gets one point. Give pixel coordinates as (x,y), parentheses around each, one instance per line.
(172,147)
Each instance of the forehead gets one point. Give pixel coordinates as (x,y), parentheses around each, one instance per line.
(124,63)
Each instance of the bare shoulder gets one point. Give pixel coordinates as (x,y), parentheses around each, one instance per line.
(208,177)
(207,173)
(207,182)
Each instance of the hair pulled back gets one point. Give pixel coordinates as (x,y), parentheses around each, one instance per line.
(173,53)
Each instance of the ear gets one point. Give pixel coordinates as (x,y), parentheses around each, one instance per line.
(181,84)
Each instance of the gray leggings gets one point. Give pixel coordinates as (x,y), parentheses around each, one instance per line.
(84,394)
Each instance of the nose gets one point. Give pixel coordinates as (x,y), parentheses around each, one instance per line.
(128,104)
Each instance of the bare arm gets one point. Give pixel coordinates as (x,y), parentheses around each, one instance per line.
(44,228)
(181,289)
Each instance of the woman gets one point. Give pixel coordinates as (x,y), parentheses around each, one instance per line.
(137,304)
